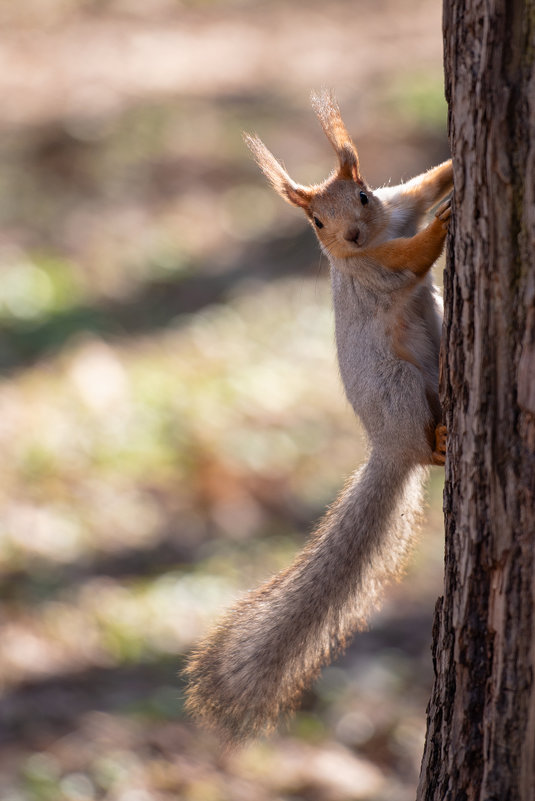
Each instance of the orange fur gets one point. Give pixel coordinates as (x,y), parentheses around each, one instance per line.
(417,253)
(434,183)
(328,113)
(440,439)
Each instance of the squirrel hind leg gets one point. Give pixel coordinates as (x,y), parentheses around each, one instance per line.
(439,452)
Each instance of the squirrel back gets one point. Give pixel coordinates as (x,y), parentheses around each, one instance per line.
(270,646)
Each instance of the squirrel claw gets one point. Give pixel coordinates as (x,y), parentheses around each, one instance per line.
(443,213)
(439,454)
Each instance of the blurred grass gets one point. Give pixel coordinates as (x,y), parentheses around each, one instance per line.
(171,417)
(417,100)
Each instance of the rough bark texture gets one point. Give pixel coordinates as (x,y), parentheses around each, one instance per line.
(481,717)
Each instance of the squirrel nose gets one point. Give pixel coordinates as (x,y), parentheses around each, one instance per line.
(352,235)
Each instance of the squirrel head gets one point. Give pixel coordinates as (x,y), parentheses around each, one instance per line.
(343,210)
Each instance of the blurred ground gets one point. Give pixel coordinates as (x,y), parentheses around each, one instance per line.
(171,419)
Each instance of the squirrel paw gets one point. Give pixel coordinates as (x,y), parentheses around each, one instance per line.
(443,213)
(439,454)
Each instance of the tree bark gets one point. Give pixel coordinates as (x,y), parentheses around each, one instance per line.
(480,740)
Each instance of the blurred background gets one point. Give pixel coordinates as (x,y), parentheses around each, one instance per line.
(171,418)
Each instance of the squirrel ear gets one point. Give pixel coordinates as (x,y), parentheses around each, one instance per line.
(328,113)
(293,193)
(356,176)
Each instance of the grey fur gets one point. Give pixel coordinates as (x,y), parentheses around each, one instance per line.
(271,645)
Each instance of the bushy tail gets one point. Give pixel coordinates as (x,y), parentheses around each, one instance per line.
(271,645)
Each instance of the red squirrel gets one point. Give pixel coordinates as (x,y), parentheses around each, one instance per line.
(271,645)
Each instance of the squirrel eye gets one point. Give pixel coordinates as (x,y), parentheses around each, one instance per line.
(319,223)
(363,198)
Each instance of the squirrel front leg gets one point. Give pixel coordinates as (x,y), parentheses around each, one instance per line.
(416,253)
(428,188)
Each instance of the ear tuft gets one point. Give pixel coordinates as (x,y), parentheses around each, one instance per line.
(327,110)
(276,174)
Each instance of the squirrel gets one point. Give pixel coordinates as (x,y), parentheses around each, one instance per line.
(254,666)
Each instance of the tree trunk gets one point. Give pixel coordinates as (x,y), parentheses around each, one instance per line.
(481,717)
